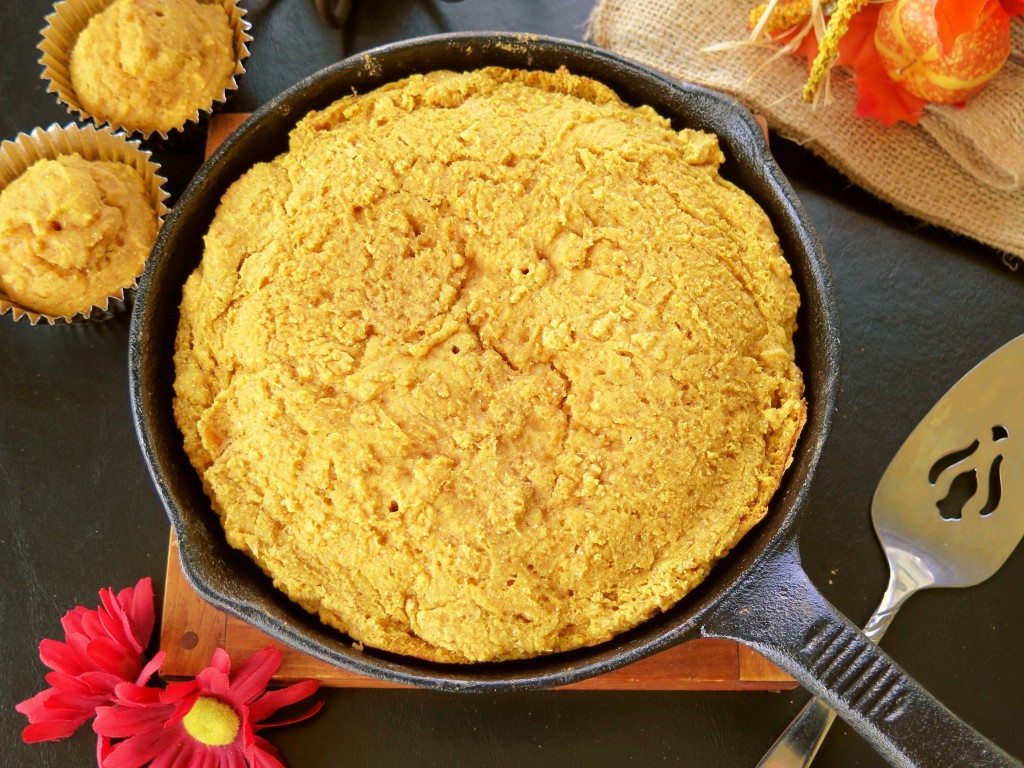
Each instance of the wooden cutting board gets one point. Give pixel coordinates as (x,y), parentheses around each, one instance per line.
(191,628)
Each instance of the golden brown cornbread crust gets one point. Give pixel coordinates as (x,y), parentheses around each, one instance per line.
(488,365)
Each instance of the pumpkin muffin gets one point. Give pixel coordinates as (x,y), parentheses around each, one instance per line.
(488,365)
(151,65)
(72,233)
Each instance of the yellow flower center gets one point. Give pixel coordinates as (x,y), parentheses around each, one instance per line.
(211,722)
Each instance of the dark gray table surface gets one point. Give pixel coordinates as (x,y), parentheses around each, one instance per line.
(918,308)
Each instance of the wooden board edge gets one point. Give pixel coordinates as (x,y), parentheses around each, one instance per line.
(190,629)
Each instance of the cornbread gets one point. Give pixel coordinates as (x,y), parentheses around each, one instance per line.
(488,365)
(151,65)
(72,233)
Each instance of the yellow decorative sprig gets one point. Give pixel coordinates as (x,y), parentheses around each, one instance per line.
(828,46)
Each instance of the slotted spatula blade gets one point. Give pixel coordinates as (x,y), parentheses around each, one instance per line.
(953,496)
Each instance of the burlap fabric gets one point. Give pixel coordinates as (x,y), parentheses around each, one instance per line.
(961,168)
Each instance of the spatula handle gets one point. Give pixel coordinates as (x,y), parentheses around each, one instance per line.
(798,745)
(776,610)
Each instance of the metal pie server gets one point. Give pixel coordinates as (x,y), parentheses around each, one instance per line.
(949,510)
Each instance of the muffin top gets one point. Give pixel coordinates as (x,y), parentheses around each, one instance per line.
(151,65)
(488,365)
(72,233)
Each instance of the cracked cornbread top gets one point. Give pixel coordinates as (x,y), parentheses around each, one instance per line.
(488,365)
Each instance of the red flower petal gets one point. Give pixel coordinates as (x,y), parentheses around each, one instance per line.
(101,682)
(233,759)
(72,621)
(251,677)
(137,750)
(221,661)
(110,656)
(117,628)
(185,758)
(59,656)
(77,716)
(51,730)
(267,704)
(265,755)
(91,624)
(130,614)
(151,668)
(182,708)
(102,648)
(214,681)
(248,734)
(29,706)
(175,692)
(66,683)
(139,606)
(205,759)
(64,706)
(52,715)
(120,722)
(103,748)
(130,694)
(78,644)
(1013,7)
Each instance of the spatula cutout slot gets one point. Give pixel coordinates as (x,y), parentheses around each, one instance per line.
(961,491)
(965,485)
(949,460)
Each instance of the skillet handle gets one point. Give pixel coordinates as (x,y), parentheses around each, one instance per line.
(777,611)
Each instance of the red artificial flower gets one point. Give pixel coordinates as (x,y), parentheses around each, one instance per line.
(102,648)
(208,722)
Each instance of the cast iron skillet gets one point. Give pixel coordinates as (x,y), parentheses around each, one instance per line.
(758,594)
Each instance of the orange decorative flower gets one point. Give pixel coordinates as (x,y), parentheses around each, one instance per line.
(208,722)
